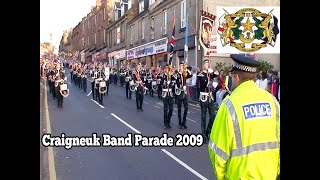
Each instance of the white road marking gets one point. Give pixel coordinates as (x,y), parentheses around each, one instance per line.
(194,105)
(125,123)
(184,164)
(97,103)
(156,106)
(145,102)
(69,83)
(191,120)
(52,170)
(89,93)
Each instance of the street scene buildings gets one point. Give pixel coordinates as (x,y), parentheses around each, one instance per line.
(117,31)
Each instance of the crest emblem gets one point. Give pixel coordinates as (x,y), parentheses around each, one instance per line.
(248,29)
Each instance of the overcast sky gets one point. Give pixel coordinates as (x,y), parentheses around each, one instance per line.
(59,15)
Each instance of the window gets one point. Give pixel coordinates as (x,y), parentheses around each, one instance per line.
(151,2)
(142,28)
(183,13)
(122,9)
(129,4)
(141,6)
(104,14)
(104,36)
(131,34)
(164,25)
(115,15)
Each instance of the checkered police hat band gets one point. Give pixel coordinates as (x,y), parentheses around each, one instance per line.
(244,67)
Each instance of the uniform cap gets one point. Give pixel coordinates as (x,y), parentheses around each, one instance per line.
(243,63)
(205,61)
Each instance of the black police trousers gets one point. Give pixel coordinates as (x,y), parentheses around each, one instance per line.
(182,98)
(167,109)
(206,129)
(128,91)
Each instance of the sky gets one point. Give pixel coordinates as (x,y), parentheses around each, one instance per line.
(59,15)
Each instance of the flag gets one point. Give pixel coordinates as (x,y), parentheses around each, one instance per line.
(185,54)
(172,39)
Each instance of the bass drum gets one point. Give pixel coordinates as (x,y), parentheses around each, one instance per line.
(102,87)
(154,85)
(64,91)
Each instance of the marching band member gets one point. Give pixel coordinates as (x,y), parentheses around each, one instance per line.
(128,78)
(181,93)
(58,77)
(100,78)
(84,78)
(206,98)
(115,76)
(158,78)
(92,73)
(139,87)
(107,74)
(167,95)
(51,77)
(149,81)
(122,73)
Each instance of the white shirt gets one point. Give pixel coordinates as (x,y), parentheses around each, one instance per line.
(264,84)
(194,79)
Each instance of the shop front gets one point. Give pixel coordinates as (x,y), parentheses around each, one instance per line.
(82,56)
(117,57)
(151,54)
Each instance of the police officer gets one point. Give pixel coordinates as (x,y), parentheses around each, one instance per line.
(206,98)
(245,138)
(167,96)
(121,73)
(128,78)
(181,93)
(137,78)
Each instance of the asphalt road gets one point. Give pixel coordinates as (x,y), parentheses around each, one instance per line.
(81,116)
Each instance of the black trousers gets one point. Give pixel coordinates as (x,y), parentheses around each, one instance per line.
(159,91)
(167,109)
(80,80)
(182,98)
(84,84)
(99,96)
(59,96)
(93,90)
(53,90)
(71,74)
(206,128)
(107,85)
(139,97)
(128,91)
(115,79)
(121,80)
(149,86)
(50,88)
(75,79)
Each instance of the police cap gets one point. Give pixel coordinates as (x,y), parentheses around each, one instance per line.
(243,63)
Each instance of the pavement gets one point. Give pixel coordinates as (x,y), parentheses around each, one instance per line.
(81,116)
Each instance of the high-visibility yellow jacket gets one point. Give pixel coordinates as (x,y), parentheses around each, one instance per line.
(245,137)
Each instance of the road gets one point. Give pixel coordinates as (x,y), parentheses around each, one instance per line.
(81,116)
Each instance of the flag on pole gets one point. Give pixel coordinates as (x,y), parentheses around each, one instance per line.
(185,54)
(172,39)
